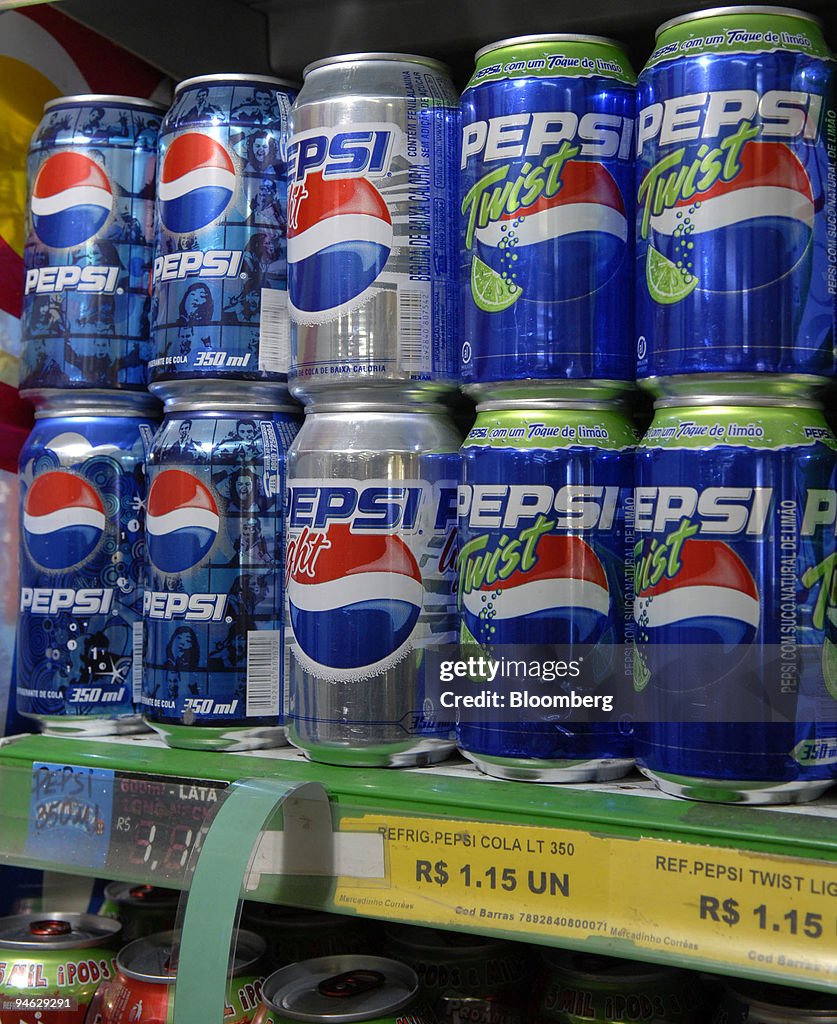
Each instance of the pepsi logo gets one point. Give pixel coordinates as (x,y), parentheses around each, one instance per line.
(764,216)
(339,240)
(63,520)
(197,182)
(354,611)
(575,240)
(182,521)
(71,200)
(563,599)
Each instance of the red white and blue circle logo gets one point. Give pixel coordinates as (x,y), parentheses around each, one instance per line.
(339,240)
(563,599)
(63,520)
(182,521)
(354,614)
(197,182)
(71,200)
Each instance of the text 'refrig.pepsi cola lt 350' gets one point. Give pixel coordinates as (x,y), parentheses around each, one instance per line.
(736,136)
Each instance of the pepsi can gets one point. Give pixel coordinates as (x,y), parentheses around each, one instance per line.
(545,533)
(371,223)
(736,141)
(370,574)
(735,512)
(212,610)
(546,191)
(83,492)
(748,1002)
(89,244)
(219,289)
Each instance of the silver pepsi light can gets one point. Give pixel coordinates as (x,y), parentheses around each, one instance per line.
(372,245)
(371,559)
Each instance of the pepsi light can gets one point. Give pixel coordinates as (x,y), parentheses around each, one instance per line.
(546,244)
(83,493)
(89,244)
(212,611)
(371,223)
(545,532)
(735,512)
(220,304)
(736,140)
(370,574)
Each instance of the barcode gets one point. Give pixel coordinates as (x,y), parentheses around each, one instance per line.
(263,646)
(286,682)
(136,667)
(413,340)
(274,332)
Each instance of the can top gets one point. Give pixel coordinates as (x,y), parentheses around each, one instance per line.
(772,1003)
(152,959)
(722,12)
(790,387)
(107,98)
(89,402)
(608,969)
(337,989)
(130,895)
(370,403)
(268,915)
(217,79)
(356,58)
(737,401)
(547,37)
(48,930)
(452,944)
(236,395)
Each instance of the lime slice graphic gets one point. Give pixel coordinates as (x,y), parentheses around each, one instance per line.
(667,282)
(492,293)
(829,666)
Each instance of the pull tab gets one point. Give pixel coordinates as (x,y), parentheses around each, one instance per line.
(170,964)
(350,983)
(148,893)
(50,928)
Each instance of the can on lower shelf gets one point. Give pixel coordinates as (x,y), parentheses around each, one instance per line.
(293,934)
(758,1003)
(140,909)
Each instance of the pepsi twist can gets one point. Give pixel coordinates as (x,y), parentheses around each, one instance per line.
(545,530)
(736,143)
(735,512)
(370,574)
(212,610)
(82,551)
(546,241)
(89,244)
(220,269)
(371,223)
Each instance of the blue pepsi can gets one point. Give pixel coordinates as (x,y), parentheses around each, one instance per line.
(220,303)
(82,551)
(546,188)
(545,533)
(214,655)
(736,142)
(736,663)
(372,224)
(89,244)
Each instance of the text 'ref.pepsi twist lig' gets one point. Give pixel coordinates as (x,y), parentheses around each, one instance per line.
(545,529)
(89,244)
(370,575)
(220,304)
(213,607)
(372,223)
(736,139)
(546,237)
(82,552)
(735,513)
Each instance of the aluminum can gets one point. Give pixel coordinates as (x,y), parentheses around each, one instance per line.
(89,244)
(340,989)
(546,195)
(213,607)
(146,970)
(577,987)
(465,979)
(736,135)
(545,540)
(372,223)
(82,552)
(370,576)
(54,963)
(293,934)
(140,909)
(757,1003)
(219,294)
(735,509)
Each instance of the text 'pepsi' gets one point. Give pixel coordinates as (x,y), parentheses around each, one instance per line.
(89,244)
(736,145)
(372,223)
(220,268)
(82,553)
(546,188)
(740,561)
(371,569)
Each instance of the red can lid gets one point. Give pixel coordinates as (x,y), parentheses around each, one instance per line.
(50,928)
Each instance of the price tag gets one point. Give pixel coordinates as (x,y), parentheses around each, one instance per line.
(710,906)
(70,814)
